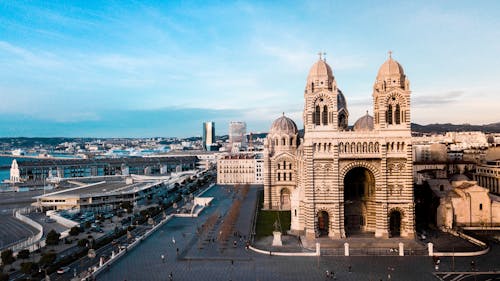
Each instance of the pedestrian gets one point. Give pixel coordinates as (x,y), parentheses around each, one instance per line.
(173,239)
(327,274)
(350,268)
(177,250)
(472,265)
(170,277)
(163,258)
(332,274)
(232,262)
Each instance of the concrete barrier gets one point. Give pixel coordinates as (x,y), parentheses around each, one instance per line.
(288,254)
(32,243)
(61,220)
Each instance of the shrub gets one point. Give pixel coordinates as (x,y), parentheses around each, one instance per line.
(23,254)
(52,237)
(74,231)
(47,259)
(7,257)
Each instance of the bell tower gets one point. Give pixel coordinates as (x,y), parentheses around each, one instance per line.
(391,97)
(322,100)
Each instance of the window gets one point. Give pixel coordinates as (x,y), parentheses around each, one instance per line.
(284,165)
(441,188)
(480,207)
(325,115)
(397,114)
(290,176)
(279,166)
(279,176)
(389,115)
(295,212)
(317,116)
(290,166)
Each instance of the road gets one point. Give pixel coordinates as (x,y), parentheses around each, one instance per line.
(84,263)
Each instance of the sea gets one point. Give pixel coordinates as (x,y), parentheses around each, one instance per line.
(5,173)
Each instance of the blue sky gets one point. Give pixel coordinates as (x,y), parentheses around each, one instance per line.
(139,69)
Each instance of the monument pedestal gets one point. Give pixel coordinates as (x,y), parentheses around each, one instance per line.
(277,238)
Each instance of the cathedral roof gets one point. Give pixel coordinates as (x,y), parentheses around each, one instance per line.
(364,123)
(390,68)
(341,102)
(283,125)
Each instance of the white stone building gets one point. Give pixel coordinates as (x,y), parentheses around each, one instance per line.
(464,203)
(340,183)
(240,169)
(488,175)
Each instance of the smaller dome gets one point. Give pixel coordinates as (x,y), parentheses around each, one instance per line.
(390,68)
(283,125)
(364,123)
(459,177)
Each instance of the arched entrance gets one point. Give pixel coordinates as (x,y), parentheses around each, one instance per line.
(359,201)
(395,223)
(323,223)
(285,199)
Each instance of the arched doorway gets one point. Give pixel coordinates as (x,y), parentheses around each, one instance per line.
(323,223)
(395,223)
(359,201)
(285,199)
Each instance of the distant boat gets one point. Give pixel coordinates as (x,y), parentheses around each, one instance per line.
(18,152)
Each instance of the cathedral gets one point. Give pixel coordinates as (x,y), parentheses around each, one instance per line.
(338,181)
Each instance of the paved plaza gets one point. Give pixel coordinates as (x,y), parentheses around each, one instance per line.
(204,259)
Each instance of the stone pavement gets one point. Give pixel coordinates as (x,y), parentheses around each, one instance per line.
(209,263)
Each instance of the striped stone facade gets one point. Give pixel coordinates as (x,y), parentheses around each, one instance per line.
(343,182)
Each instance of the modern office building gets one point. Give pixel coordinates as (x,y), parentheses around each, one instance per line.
(208,137)
(46,169)
(237,135)
(107,193)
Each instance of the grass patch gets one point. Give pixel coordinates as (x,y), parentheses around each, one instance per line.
(265,220)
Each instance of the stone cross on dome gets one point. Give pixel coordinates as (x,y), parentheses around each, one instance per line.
(390,54)
(322,55)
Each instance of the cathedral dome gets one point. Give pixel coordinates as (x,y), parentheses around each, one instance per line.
(319,70)
(364,123)
(390,68)
(283,125)
(320,76)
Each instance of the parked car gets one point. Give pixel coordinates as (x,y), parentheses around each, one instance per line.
(63,270)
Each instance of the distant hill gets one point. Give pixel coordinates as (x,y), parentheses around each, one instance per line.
(434,128)
(447,127)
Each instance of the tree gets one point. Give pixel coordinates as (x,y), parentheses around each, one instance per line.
(23,254)
(74,231)
(83,242)
(52,237)
(127,206)
(7,257)
(47,259)
(29,267)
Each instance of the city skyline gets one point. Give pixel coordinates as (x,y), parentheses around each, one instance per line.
(162,69)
